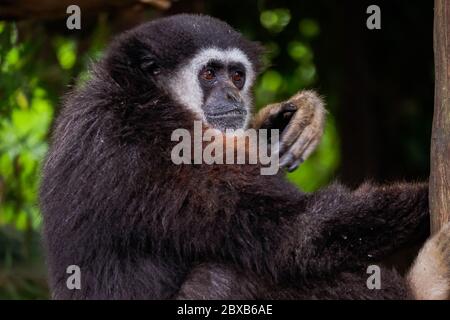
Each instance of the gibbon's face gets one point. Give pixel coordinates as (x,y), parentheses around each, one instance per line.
(200,62)
(215,84)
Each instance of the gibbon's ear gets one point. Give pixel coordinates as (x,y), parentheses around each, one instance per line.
(149,65)
(131,63)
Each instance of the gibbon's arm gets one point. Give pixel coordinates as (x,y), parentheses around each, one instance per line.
(301,121)
(361,226)
(266,225)
(337,229)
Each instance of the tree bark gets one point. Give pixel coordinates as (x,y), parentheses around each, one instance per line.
(51,9)
(440,140)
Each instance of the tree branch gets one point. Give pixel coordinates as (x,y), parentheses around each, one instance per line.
(51,9)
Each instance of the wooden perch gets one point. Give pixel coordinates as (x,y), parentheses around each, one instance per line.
(53,9)
(440,140)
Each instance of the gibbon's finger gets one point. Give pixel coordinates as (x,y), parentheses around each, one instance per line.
(297,153)
(309,139)
(295,165)
(265,117)
(286,160)
(298,123)
(311,112)
(274,116)
(312,147)
(307,142)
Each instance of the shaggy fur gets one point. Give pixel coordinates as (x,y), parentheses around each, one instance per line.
(141,227)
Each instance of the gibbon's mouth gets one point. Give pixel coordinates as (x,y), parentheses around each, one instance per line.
(225,114)
(230,119)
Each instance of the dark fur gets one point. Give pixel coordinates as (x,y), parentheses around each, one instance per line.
(141,227)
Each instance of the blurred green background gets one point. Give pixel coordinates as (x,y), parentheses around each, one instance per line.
(378,86)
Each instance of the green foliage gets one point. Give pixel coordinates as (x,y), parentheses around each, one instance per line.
(33,76)
(309,28)
(275,20)
(66,52)
(26,114)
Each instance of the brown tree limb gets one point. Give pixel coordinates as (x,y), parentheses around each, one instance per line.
(440,140)
(53,9)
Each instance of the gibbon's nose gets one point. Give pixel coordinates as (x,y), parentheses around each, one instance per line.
(232,95)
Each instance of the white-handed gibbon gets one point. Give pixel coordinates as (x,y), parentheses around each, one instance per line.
(141,227)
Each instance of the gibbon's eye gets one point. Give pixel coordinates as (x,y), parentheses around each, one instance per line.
(208,74)
(238,78)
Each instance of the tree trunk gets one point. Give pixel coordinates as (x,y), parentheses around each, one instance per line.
(440,141)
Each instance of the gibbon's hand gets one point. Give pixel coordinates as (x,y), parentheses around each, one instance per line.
(429,278)
(301,122)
